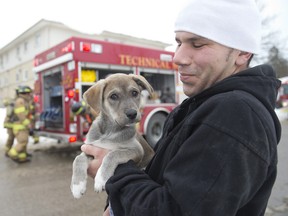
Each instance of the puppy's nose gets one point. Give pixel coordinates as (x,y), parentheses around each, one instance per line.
(131,114)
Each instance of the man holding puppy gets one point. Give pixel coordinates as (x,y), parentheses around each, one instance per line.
(218,152)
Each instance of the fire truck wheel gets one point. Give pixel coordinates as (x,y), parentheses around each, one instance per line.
(155,128)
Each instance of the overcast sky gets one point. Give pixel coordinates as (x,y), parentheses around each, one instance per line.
(151,19)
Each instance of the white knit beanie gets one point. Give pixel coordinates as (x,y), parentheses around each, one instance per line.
(233,23)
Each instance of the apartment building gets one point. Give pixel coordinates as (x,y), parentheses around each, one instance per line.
(16,58)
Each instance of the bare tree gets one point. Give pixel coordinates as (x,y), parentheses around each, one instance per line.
(279,63)
(271,52)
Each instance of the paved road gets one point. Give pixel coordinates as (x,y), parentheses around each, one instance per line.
(42,187)
(278,203)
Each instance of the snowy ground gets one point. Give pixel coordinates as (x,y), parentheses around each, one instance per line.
(282,113)
(43,144)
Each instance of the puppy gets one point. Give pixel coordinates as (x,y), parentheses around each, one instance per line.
(116,100)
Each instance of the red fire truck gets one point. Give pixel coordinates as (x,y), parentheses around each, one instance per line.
(65,71)
(282,100)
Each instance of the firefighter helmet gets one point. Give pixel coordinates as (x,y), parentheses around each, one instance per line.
(23,90)
(78,108)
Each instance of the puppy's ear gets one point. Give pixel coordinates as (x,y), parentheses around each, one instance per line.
(94,96)
(143,83)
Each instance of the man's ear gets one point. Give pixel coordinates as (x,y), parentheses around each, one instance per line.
(243,58)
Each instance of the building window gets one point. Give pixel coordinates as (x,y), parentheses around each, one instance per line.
(25,75)
(25,46)
(18,75)
(7,57)
(37,40)
(6,80)
(18,53)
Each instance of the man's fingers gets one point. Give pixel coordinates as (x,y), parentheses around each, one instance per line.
(85,148)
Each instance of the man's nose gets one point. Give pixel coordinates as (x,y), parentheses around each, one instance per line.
(181,56)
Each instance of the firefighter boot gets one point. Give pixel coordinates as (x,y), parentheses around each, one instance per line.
(12,153)
(18,157)
(9,142)
(6,149)
(23,157)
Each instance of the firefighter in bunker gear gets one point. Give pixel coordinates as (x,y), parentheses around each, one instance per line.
(21,124)
(8,123)
(81,108)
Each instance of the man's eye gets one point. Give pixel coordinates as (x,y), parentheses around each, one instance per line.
(178,42)
(198,45)
(114,97)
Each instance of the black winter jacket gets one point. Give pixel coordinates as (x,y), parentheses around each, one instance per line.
(217,155)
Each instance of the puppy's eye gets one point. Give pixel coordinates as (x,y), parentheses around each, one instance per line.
(135,93)
(114,97)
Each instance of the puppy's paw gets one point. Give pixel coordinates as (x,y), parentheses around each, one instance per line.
(79,175)
(99,183)
(98,187)
(78,189)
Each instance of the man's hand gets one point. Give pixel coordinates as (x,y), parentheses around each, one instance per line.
(98,154)
(107,212)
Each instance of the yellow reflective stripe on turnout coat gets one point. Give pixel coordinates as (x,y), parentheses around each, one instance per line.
(22,111)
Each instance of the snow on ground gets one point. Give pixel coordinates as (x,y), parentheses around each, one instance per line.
(44,143)
(47,142)
(3,133)
(282,113)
